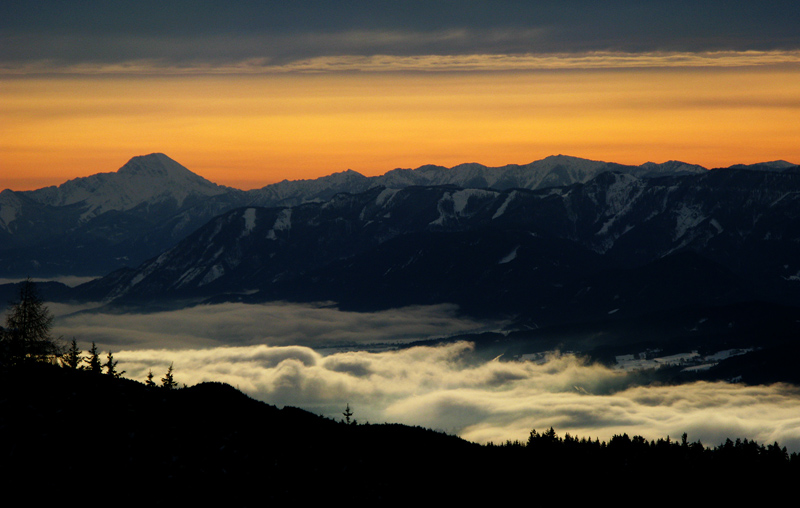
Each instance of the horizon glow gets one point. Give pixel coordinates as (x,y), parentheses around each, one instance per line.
(250,130)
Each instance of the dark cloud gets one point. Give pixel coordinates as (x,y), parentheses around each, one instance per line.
(214,32)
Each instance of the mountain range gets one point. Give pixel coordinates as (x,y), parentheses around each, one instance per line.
(617,243)
(95,224)
(556,222)
(574,254)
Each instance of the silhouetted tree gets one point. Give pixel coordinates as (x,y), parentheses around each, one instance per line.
(26,337)
(149,381)
(348,414)
(168,381)
(111,366)
(72,358)
(94,360)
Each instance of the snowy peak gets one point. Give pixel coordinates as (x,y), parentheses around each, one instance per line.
(144,180)
(651,169)
(552,171)
(156,165)
(295,192)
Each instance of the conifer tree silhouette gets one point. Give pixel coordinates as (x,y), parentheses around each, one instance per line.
(94,360)
(26,337)
(111,366)
(348,416)
(72,358)
(168,381)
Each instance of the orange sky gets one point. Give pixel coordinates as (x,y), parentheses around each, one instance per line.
(247,131)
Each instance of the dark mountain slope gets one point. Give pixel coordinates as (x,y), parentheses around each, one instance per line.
(647,243)
(95,224)
(211,444)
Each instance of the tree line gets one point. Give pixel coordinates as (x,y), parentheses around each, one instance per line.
(637,456)
(26,340)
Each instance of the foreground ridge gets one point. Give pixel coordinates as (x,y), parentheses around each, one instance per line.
(213,438)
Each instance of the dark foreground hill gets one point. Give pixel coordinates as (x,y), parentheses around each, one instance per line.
(70,433)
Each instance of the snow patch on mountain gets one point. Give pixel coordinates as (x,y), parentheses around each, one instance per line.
(782,197)
(385,196)
(213,274)
(453,205)
(622,193)
(249,217)
(461,199)
(284,220)
(793,278)
(150,268)
(282,223)
(686,218)
(511,256)
(502,209)
(444,207)
(189,275)
(9,208)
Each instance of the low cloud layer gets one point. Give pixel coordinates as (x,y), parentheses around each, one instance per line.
(316,358)
(275,324)
(443,389)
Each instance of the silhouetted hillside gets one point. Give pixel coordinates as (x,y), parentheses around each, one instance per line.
(63,429)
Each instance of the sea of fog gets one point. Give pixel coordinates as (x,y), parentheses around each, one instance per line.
(319,358)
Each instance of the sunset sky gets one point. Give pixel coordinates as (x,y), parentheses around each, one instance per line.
(250,93)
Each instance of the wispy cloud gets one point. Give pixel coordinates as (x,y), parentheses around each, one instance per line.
(197,34)
(423,63)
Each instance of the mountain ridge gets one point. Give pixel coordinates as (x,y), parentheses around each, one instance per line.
(93,225)
(145,178)
(481,248)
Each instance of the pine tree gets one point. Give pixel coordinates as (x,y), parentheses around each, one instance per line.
(27,334)
(348,415)
(168,381)
(111,366)
(149,382)
(72,358)
(94,360)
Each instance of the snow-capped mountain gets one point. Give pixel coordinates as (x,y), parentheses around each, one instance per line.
(553,171)
(295,192)
(146,180)
(617,243)
(96,224)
